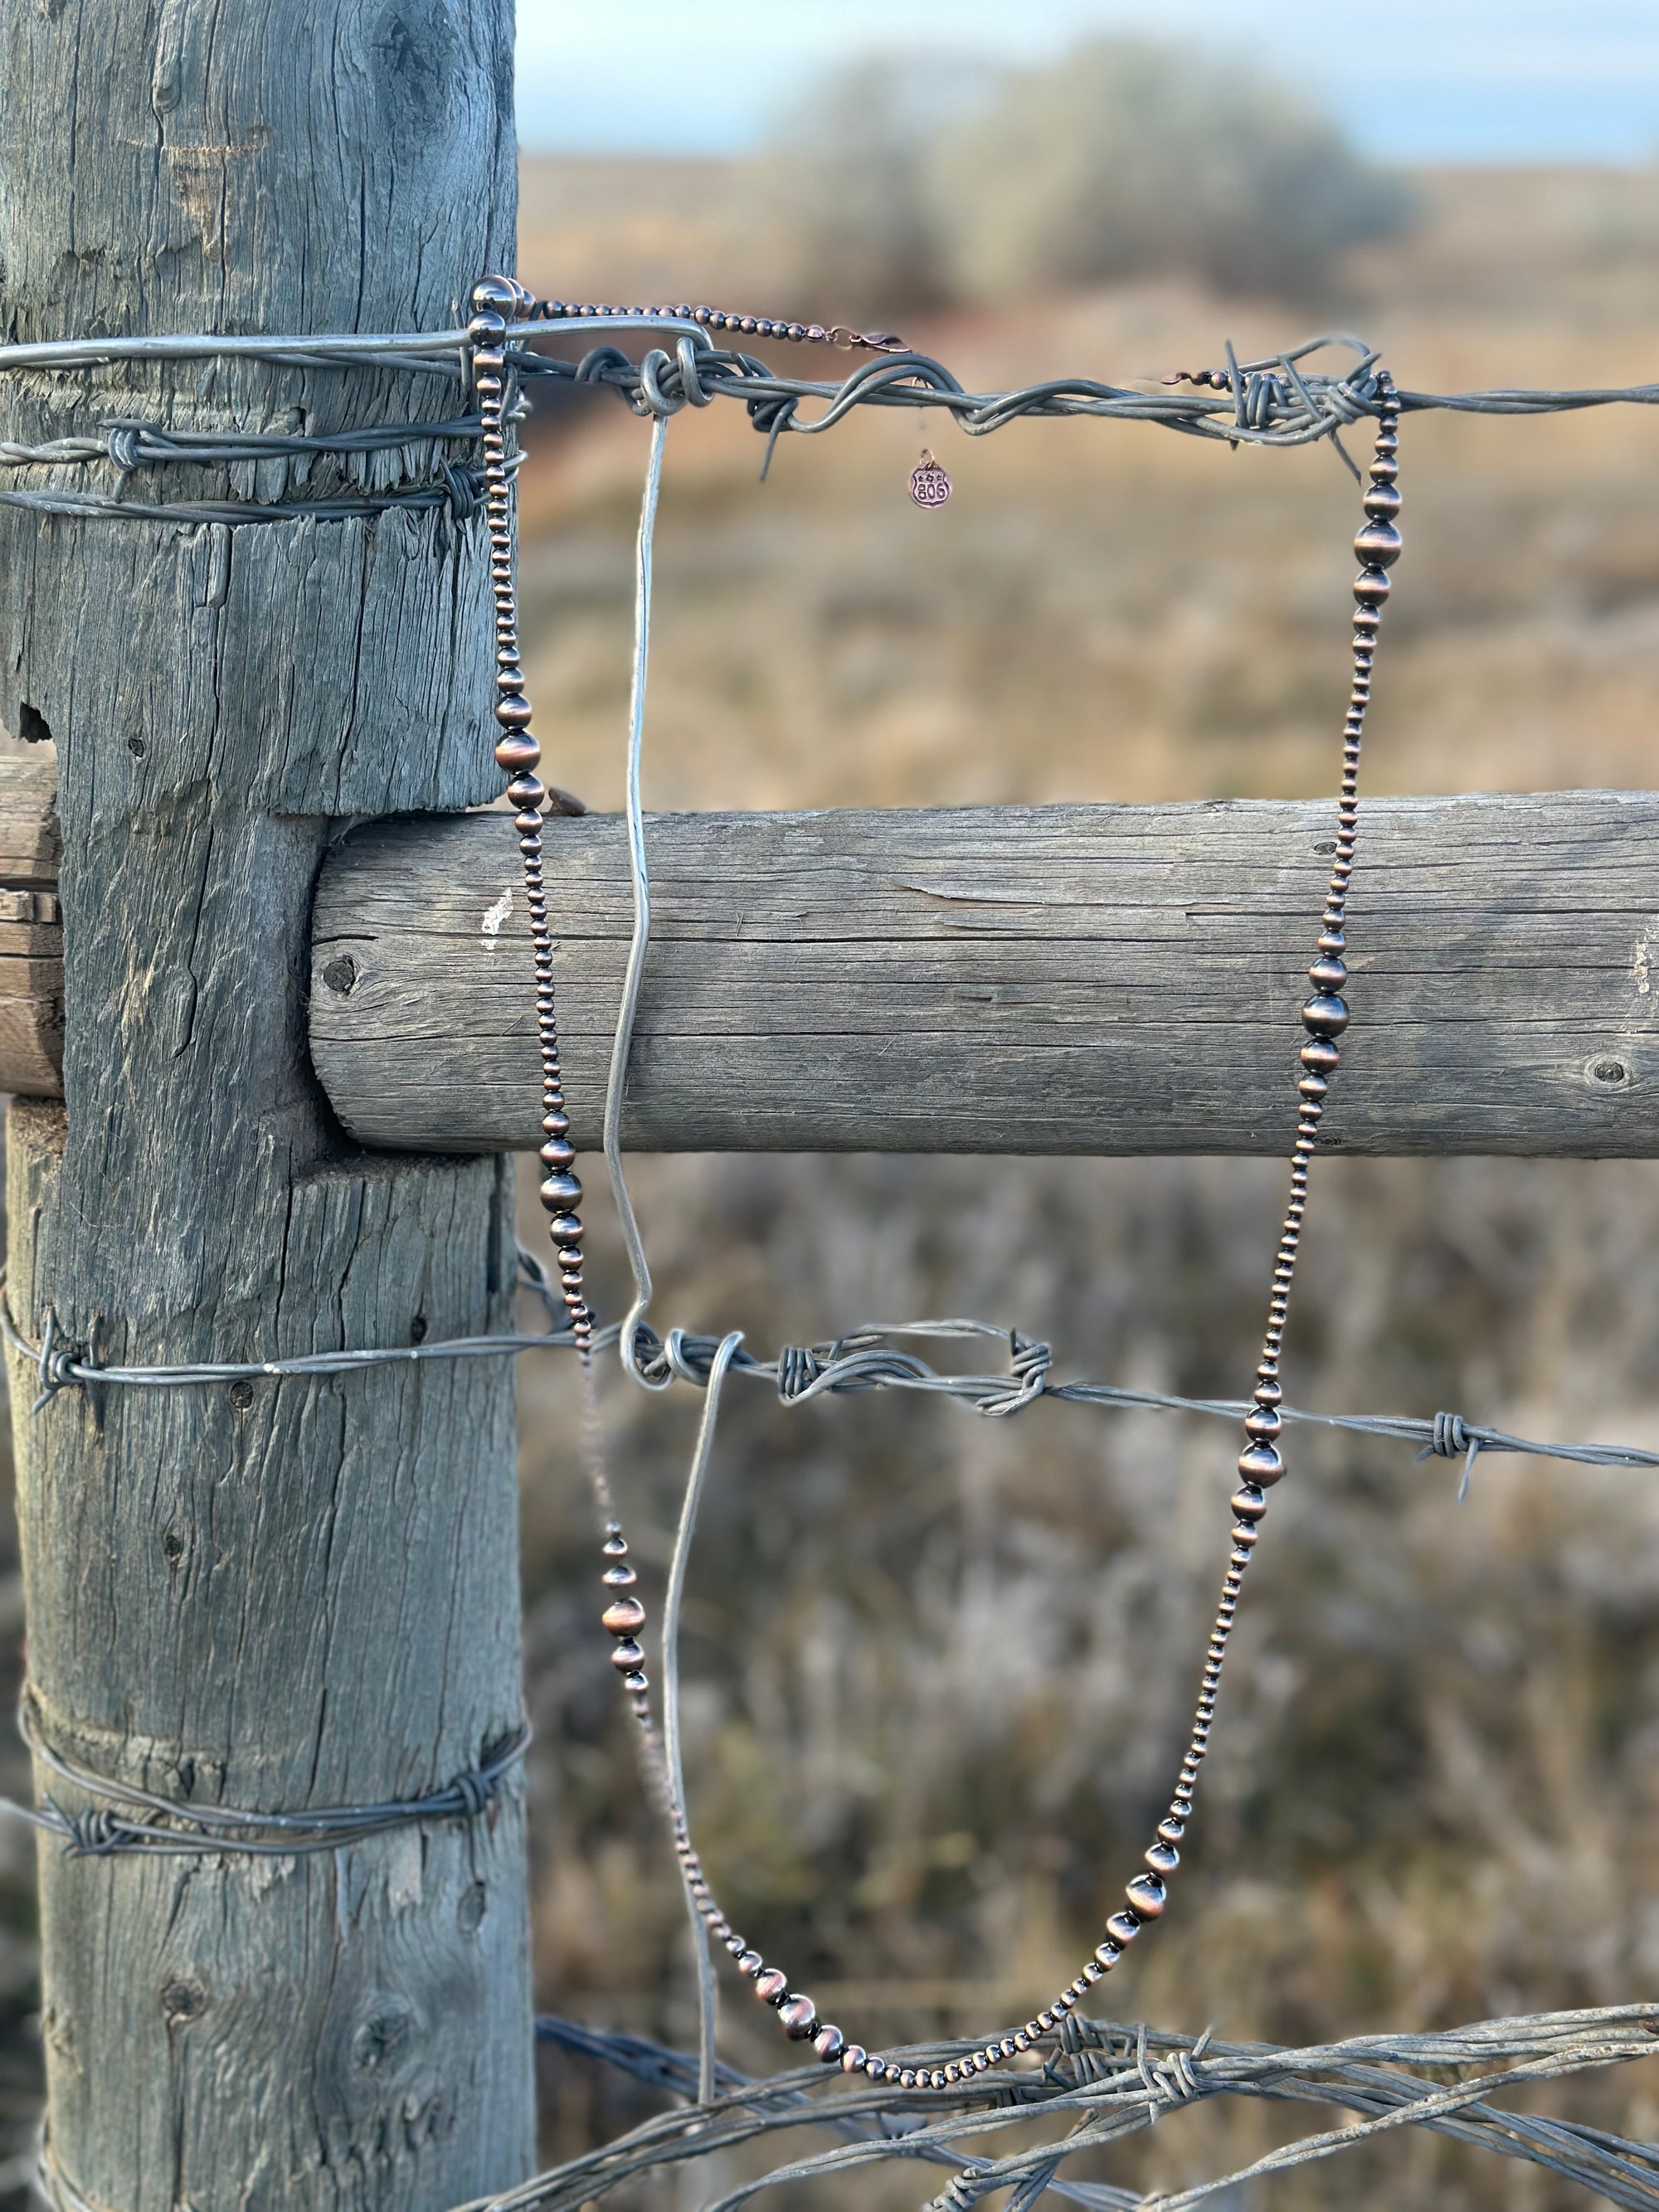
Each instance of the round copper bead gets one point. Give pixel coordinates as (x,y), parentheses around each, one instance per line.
(1107,1955)
(627,1656)
(1370,589)
(559,1192)
(1320,1054)
(526,793)
(830,2044)
(517,754)
(800,2016)
(1122,1928)
(772,1985)
(486,331)
(1325,1014)
(1146,1895)
(854,2058)
(1328,973)
(619,1577)
(557,1152)
(1263,1424)
(624,1616)
(1248,1502)
(1260,1464)
(565,1229)
(513,714)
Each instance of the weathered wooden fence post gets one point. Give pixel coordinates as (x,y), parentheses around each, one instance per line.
(271,1595)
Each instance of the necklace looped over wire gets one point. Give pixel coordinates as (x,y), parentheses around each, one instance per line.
(497,301)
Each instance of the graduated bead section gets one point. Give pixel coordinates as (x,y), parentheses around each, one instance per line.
(496,302)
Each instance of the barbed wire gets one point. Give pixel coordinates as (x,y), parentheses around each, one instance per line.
(1278,399)
(124,1820)
(870,1357)
(1111,2080)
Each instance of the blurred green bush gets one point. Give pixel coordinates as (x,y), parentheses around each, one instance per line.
(902,186)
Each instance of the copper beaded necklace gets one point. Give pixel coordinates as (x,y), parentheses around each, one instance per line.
(496,302)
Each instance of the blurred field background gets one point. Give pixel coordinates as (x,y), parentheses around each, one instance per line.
(938,1668)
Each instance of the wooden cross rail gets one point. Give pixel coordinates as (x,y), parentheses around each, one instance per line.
(1054,980)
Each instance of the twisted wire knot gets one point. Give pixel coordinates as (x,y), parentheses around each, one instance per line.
(799,1368)
(1029,1364)
(56,1365)
(123,444)
(475,1792)
(1451,1438)
(93,1833)
(961,2193)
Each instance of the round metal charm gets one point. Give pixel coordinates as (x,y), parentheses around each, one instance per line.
(929,485)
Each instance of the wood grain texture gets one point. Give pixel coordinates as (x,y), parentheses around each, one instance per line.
(31,928)
(1048,980)
(283,1594)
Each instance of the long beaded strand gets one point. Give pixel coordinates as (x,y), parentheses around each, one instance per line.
(1261,1465)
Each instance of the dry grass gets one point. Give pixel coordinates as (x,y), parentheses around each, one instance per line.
(938,1667)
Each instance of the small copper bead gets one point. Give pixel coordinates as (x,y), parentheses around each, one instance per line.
(526,793)
(1320,1055)
(627,1656)
(1325,1014)
(830,2045)
(556,1152)
(907,2077)
(952,2073)
(565,1229)
(1162,1857)
(624,1616)
(513,714)
(1171,1830)
(751,1963)
(559,1191)
(1107,1955)
(772,1985)
(854,2058)
(1327,973)
(800,2016)
(614,1546)
(1122,1928)
(877,2068)
(619,1578)
(1248,1503)
(1022,2041)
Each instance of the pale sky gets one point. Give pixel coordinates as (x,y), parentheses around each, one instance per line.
(1411,80)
